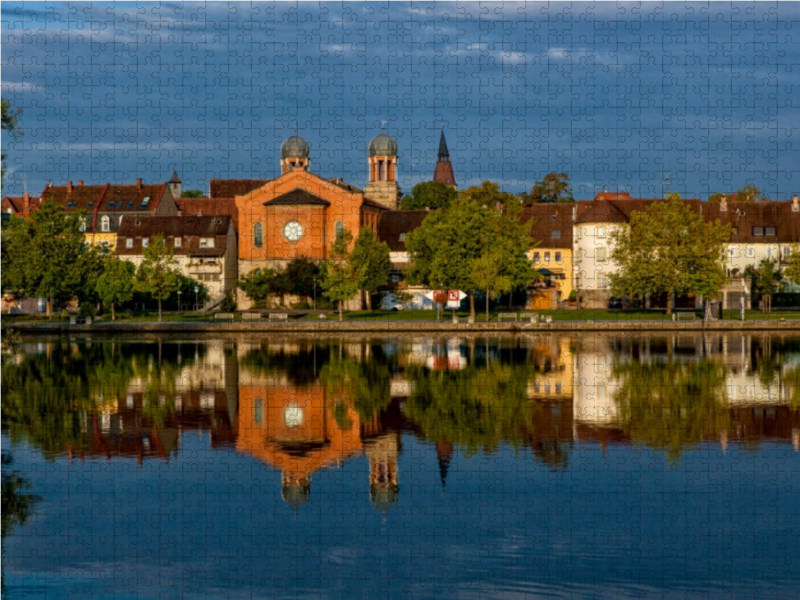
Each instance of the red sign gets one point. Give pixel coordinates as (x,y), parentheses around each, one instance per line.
(452,296)
(440,296)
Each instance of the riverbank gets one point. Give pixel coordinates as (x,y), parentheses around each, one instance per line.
(375,326)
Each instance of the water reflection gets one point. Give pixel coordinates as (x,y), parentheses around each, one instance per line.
(304,405)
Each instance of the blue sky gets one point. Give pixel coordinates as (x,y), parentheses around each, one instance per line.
(632,97)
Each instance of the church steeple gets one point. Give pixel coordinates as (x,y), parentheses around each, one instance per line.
(444,170)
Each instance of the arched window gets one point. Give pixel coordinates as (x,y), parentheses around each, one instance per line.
(339,228)
(105,223)
(258,235)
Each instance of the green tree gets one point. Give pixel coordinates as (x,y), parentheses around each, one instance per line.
(340,281)
(45,256)
(766,280)
(259,285)
(791,271)
(370,260)
(10,126)
(300,278)
(192,194)
(158,275)
(443,249)
(554,187)
(488,274)
(750,193)
(429,194)
(669,248)
(116,283)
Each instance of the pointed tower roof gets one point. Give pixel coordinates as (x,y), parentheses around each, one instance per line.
(175,178)
(444,454)
(443,152)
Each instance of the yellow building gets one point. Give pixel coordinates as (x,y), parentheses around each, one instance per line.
(551,233)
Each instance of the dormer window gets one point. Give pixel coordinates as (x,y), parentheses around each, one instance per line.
(207,242)
(129,243)
(145,242)
(769,231)
(555,234)
(402,237)
(145,202)
(105,223)
(758,231)
(177,242)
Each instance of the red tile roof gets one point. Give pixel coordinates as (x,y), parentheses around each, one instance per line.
(229,188)
(132,198)
(83,197)
(201,207)
(394,223)
(444,173)
(547,220)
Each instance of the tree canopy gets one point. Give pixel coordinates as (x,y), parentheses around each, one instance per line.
(158,275)
(10,126)
(429,194)
(669,248)
(115,285)
(340,280)
(370,260)
(747,193)
(554,187)
(192,194)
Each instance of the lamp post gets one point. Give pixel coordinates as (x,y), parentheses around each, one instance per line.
(179,301)
(196,289)
(315,293)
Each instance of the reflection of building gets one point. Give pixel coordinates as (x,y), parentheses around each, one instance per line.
(553,377)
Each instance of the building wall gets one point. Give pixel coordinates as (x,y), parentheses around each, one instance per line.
(592,244)
(564,266)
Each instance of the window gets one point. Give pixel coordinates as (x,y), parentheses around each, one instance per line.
(602,281)
(177,242)
(546,257)
(769,231)
(258,235)
(129,243)
(536,257)
(145,202)
(555,234)
(402,237)
(558,256)
(259,412)
(105,223)
(145,242)
(207,242)
(600,232)
(111,204)
(340,228)
(91,203)
(758,231)
(84,225)
(731,252)
(769,251)
(555,217)
(751,252)
(601,253)
(130,205)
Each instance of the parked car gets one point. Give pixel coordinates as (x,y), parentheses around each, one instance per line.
(615,302)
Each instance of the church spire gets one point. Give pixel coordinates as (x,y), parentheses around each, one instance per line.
(444,155)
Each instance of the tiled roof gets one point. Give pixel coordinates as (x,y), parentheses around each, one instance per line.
(373,204)
(83,197)
(601,211)
(547,219)
(339,182)
(613,196)
(298,196)
(444,173)
(201,207)
(189,229)
(745,216)
(132,198)
(12,202)
(394,223)
(229,188)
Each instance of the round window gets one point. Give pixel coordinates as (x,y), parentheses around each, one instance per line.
(293,231)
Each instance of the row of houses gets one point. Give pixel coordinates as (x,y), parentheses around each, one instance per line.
(245,224)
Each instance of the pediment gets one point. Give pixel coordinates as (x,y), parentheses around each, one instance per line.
(297,196)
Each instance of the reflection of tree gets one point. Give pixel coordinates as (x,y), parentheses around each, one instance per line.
(300,366)
(670,405)
(365,384)
(478,407)
(17,501)
(47,395)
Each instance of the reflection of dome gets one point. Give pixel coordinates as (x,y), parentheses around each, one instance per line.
(296,495)
(383,497)
(294,147)
(383,145)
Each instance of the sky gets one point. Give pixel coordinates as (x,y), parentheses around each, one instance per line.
(635,97)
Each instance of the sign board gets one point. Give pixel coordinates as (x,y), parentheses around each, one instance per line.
(196,288)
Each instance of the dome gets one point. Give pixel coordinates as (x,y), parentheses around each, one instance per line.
(294,147)
(383,145)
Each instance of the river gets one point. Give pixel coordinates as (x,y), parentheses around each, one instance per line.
(558,466)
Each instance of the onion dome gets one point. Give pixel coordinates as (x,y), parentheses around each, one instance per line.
(383,145)
(294,147)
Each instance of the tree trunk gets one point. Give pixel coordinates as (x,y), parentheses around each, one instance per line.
(113,316)
(487,306)
(669,304)
(472,305)
(48,311)
(159,309)
(341,313)
(369,300)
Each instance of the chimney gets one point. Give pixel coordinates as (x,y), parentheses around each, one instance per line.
(139,185)
(80,182)
(69,187)
(723,204)
(26,204)
(795,204)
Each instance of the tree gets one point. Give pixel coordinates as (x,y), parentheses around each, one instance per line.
(300,277)
(340,281)
(370,260)
(792,270)
(669,248)
(10,126)
(554,187)
(487,274)
(429,194)
(192,194)
(765,280)
(158,275)
(258,284)
(46,256)
(443,249)
(116,283)
(750,193)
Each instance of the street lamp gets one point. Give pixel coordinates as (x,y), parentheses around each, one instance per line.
(196,289)
(179,301)
(315,293)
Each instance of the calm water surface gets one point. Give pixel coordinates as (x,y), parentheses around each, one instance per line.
(512,467)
